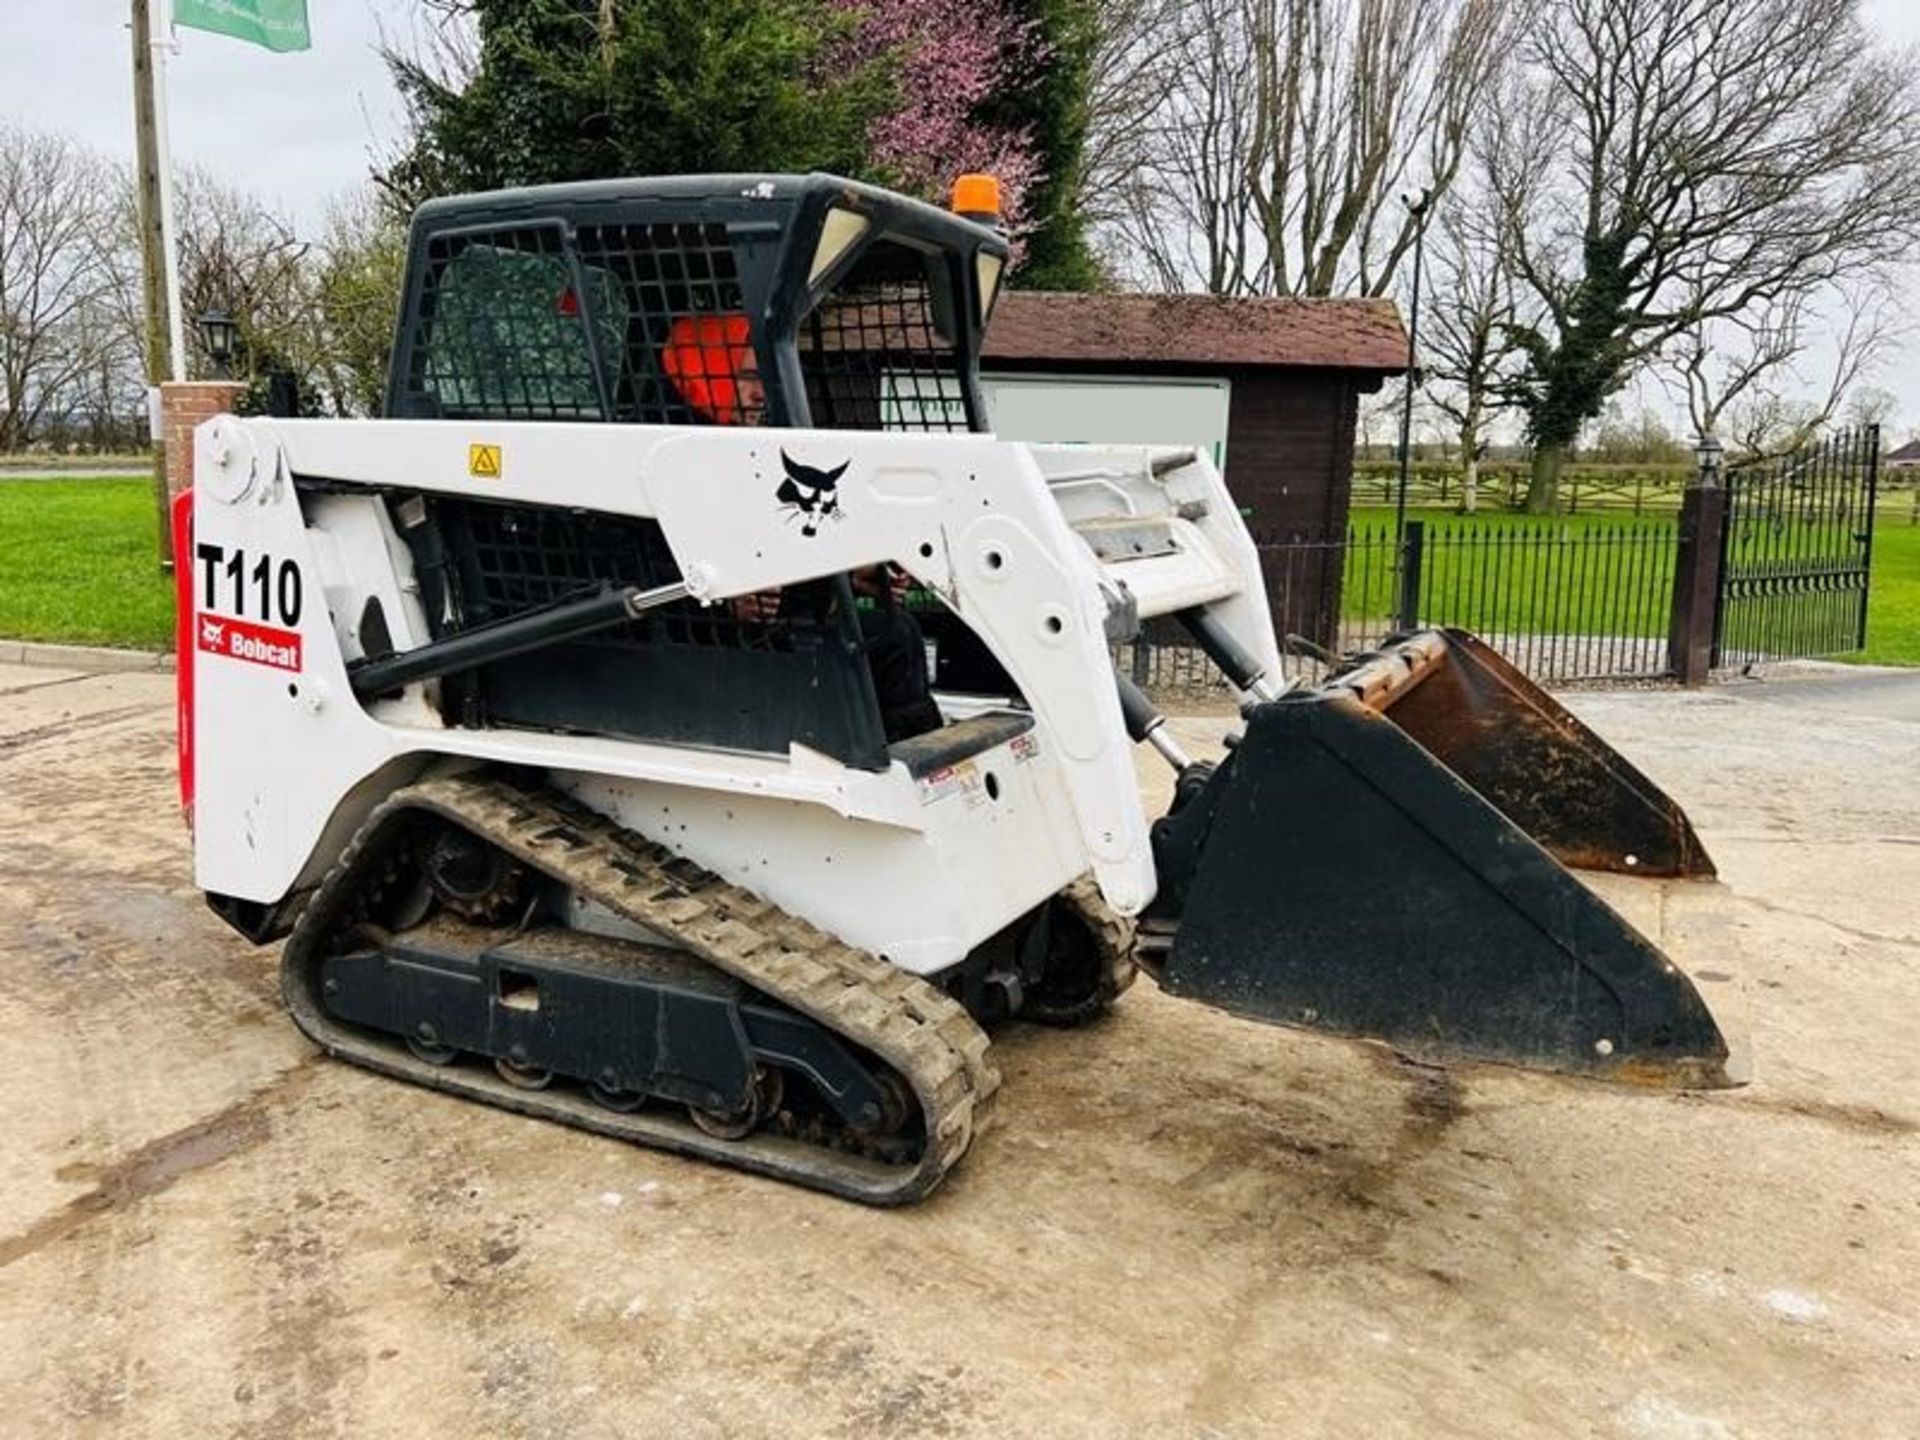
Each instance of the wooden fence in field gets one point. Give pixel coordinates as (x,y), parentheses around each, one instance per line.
(1584,488)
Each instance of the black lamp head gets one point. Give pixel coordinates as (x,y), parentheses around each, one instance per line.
(218,330)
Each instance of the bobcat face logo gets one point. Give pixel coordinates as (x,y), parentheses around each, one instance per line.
(809,495)
(212,632)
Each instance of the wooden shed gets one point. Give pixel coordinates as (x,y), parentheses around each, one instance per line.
(1271,386)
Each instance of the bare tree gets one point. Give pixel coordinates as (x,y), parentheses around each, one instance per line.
(103,404)
(1640,436)
(1378,422)
(1769,422)
(56,224)
(1187,209)
(356,294)
(1740,369)
(1872,405)
(237,255)
(1269,155)
(322,310)
(1132,74)
(1466,347)
(1674,164)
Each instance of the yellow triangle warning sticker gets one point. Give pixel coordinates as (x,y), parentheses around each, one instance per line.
(483,462)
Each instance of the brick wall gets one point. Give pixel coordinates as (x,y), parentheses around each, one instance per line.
(183,406)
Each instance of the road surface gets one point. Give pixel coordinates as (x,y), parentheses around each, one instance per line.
(1183,1225)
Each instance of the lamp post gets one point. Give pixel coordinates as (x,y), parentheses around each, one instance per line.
(1418,210)
(218,330)
(1707,451)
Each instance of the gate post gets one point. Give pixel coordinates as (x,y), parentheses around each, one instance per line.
(1696,571)
(1413,547)
(1866,535)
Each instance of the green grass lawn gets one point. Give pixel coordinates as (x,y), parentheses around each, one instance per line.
(79,563)
(1593,574)
(1893,602)
(1503,573)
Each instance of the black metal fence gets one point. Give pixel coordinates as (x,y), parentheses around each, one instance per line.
(1565,600)
(1778,564)
(1796,552)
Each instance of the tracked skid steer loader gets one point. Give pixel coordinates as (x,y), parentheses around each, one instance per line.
(681,718)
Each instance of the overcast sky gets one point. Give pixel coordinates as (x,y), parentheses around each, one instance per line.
(300,129)
(295,129)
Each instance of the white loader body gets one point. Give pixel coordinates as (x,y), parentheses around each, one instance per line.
(1034,548)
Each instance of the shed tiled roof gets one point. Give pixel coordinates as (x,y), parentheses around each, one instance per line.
(1907,454)
(1046,326)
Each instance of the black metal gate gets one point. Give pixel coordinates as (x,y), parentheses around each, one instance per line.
(1797,552)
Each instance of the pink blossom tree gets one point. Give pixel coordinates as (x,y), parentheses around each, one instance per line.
(949,59)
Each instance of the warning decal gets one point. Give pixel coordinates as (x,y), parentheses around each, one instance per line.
(258,644)
(961,779)
(483,462)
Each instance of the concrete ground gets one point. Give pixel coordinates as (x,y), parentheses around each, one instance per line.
(1183,1224)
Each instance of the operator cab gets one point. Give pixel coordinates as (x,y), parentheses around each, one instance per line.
(742,300)
(649,302)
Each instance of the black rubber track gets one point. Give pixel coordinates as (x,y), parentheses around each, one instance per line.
(926,1036)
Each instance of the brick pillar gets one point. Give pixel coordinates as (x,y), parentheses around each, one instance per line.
(184,405)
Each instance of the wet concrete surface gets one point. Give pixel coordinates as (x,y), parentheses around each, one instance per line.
(1182,1224)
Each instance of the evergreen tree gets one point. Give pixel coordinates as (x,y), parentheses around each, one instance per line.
(1050,104)
(585,89)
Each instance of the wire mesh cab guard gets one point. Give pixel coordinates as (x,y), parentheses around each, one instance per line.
(793,301)
(803,301)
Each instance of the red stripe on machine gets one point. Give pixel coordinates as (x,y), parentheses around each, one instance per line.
(186,619)
(243,640)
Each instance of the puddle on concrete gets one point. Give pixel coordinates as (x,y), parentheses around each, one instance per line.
(153,1167)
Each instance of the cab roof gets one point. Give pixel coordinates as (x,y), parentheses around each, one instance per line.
(727,196)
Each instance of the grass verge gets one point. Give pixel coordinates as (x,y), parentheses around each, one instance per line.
(79,564)
(1893,601)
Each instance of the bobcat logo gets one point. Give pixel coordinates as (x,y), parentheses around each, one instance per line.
(809,495)
(212,633)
